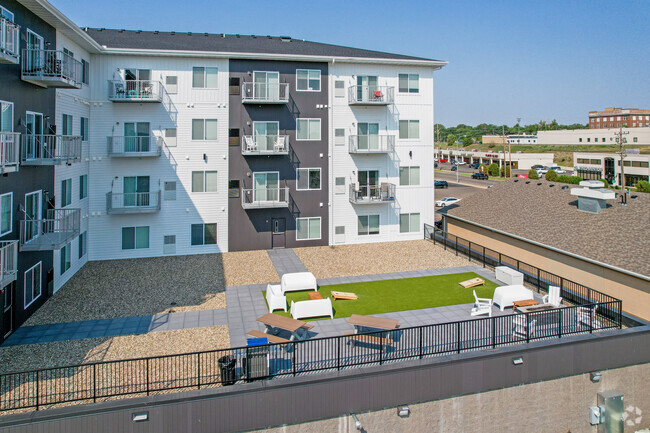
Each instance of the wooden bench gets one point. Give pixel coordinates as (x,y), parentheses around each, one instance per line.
(358,320)
(369,339)
(271,338)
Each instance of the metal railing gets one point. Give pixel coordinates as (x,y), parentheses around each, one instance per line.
(372,143)
(368,194)
(265,145)
(60,226)
(48,65)
(264,93)
(371,95)
(8,262)
(134,146)
(132,202)
(259,198)
(135,90)
(49,149)
(9,151)
(9,40)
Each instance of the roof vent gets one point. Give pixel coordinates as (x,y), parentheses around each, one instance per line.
(236,36)
(253,36)
(223,35)
(285,38)
(206,34)
(527,182)
(633,196)
(189,33)
(592,196)
(138,31)
(539,183)
(172,33)
(268,36)
(122,30)
(516,180)
(551,185)
(565,187)
(155,32)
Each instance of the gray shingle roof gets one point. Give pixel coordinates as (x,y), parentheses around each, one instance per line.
(618,236)
(136,39)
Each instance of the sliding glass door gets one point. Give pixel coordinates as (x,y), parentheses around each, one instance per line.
(136,137)
(33,212)
(368,136)
(33,135)
(136,191)
(267,86)
(366,87)
(368,183)
(266,186)
(265,135)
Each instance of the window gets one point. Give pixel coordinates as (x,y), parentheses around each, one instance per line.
(234,86)
(307,228)
(204,129)
(339,137)
(65,258)
(233,136)
(204,181)
(170,190)
(409,129)
(171,84)
(169,244)
(596,140)
(308,179)
(170,137)
(233,188)
(85,72)
(66,192)
(409,222)
(6,205)
(409,83)
(409,176)
(83,241)
(339,89)
(339,185)
(307,80)
(588,140)
(83,128)
(68,52)
(32,284)
(135,238)
(83,186)
(635,140)
(204,78)
(6,116)
(580,140)
(67,125)
(308,129)
(368,225)
(204,234)
(6,14)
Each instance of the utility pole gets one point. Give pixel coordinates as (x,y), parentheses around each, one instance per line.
(621,140)
(503,134)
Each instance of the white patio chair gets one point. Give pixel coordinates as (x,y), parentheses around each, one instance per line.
(275,298)
(553,296)
(519,326)
(279,144)
(481,306)
(587,316)
(250,144)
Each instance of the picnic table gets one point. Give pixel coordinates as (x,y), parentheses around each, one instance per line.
(359,321)
(274,322)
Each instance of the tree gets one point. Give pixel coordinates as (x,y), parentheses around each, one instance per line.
(468,141)
(551,175)
(505,170)
(451,139)
(532,174)
(643,186)
(483,169)
(493,169)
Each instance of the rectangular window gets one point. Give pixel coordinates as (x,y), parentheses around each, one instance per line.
(234,86)
(135,238)
(83,241)
(83,186)
(170,137)
(409,83)
(204,78)
(171,84)
(409,222)
(169,244)
(33,284)
(594,161)
(409,129)
(368,225)
(68,52)
(83,128)
(308,129)
(85,72)
(66,128)
(5,13)
(204,234)
(65,258)
(170,190)
(339,185)
(66,192)
(339,137)
(307,228)
(204,129)
(308,80)
(409,176)
(6,218)
(204,181)
(339,89)
(308,179)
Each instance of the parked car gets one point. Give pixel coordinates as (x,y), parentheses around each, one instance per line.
(443,160)
(557,169)
(441,184)
(537,166)
(460,162)
(447,201)
(481,176)
(435,165)
(454,167)
(542,171)
(476,165)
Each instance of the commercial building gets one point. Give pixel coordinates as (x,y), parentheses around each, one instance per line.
(522,139)
(493,139)
(635,136)
(593,165)
(619,117)
(520,160)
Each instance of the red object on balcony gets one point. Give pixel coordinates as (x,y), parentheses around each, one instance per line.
(378,94)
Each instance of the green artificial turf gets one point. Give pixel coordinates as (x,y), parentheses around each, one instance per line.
(386,296)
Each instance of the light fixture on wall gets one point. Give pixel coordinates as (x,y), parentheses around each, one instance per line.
(140,416)
(410,153)
(205,157)
(518,361)
(403,411)
(595,376)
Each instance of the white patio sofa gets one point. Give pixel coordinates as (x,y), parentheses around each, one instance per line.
(298,281)
(506,296)
(275,298)
(312,308)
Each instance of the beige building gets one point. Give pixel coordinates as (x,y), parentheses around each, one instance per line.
(593,165)
(566,137)
(520,160)
(493,139)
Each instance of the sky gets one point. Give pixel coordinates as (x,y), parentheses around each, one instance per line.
(508,59)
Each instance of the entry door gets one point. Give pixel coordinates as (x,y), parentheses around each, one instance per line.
(32,214)
(136,191)
(136,137)
(7,317)
(265,135)
(34,59)
(366,86)
(369,183)
(266,186)
(368,135)
(279,226)
(33,135)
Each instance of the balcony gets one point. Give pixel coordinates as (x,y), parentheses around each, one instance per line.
(132,202)
(134,147)
(47,68)
(135,91)
(60,227)
(9,151)
(371,95)
(262,93)
(8,262)
(265,198)
(265,145)
(50,149)
(372,194)
(369,144)
(9,42)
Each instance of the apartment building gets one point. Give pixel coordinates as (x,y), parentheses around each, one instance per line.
(614,117)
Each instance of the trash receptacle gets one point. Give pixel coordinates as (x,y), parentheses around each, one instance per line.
(256,362)
(227,367)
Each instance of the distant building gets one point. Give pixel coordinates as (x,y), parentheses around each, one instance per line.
(520,160)
(594,165)
(522,139)
(636,136)
(493,139)
(617,117)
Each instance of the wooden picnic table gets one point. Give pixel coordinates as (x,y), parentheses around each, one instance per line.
(523,303)
(358,321)
(297,328)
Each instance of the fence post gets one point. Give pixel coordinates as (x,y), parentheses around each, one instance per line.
(338,353)
(198,371)
(527,329)
(517,264)
(38,379)
(94,383)
(499,259)
(483,256)
(456,246)
(588,295)
(494,332)
(444,240)
(381,347)
(147,376)
(539,280)
(559,323)
(434,236)
(293,358)
(458,335)
(469,252)
(421,348)
(592,312)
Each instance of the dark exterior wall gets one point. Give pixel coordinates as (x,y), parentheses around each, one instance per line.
(251,229)
(27,97)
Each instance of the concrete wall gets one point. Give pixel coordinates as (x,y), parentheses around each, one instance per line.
(636,137)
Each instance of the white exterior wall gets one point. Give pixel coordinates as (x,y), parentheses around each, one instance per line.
(524,160)
(409,199)
(635,136)
(175,163)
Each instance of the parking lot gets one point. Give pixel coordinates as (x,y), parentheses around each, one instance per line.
(458,190)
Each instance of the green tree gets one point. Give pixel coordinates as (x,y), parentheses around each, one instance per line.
(483,169)
(468,141)
(505,170)
(551,176)
(493,169)
(451,139)
(532,174)
(643,186)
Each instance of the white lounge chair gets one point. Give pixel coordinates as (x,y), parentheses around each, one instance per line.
(553,296)
(519,326)
(587,316)
(251,146)
(313,308)
(279,144)
(481,306)
(298,281)
(275,298)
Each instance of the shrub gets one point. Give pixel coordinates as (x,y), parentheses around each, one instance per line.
(643,186)
(575,180)
(483,169)
(532,174)
(563,179)
(505,170)
(605,183)
(493,169)
(551,176)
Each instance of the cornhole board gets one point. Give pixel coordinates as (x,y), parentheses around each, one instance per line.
(472,283)
(343,295)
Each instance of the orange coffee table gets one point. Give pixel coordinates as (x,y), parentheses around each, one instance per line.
(524,303)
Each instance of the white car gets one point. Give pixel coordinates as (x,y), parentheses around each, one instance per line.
(461,162)
(557,169)
(542,171)
(447,201)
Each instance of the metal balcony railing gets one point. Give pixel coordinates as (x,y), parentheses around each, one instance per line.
(9,41)
(8,262)
(134,146)
(51,233)
(370,194)
(371,95)
(132,202)
(135,91)
(48,68)
(260,198)
(262,93)
(265,145)
(9,151)
(49,149)
(372,144)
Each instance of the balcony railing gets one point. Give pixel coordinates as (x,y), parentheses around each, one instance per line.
(135,91)
(9,151)
(364,144)
(8,262)
(262,93)
(9,41)
(370,194)
(49,149)
(132,202)
(51,233)
(261,198)
(265,145)
(134,146)
(47,68)
(371,95)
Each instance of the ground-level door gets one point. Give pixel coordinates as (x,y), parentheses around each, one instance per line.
(278,228)
(7,309)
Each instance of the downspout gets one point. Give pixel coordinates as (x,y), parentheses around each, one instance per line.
(330,152)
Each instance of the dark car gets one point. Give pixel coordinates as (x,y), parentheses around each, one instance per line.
(481,176)
(435,165)
(441,184)
(454,168)
(537,167)
(474,165)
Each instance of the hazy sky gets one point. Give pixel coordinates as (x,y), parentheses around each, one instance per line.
(536,60)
